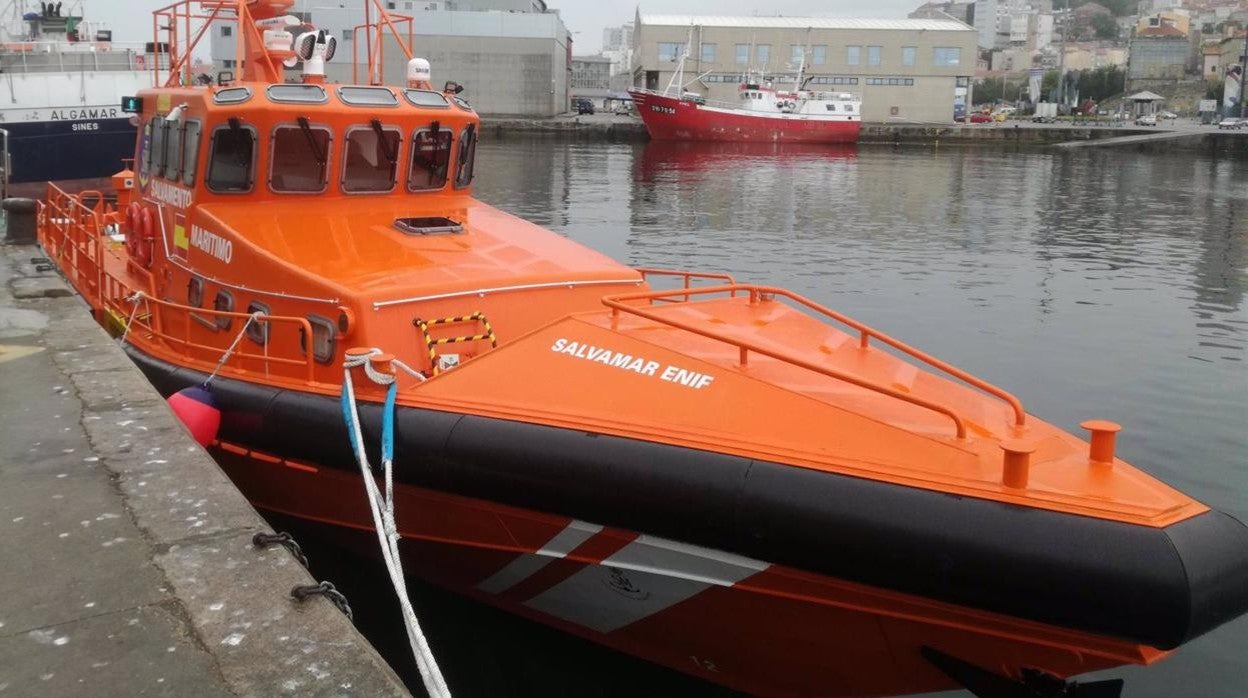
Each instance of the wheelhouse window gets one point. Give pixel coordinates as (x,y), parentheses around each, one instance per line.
(297,94)
(466,158)
(370,158)
(368,96)
(232,158)
(431,158)
(300,157)
(173,150)
(190,152)
(160,134)
(147,148)
(426,98)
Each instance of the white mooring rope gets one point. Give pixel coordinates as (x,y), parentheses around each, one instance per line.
(382,506)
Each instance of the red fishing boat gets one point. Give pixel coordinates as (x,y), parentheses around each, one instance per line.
(725,478)
(762,113)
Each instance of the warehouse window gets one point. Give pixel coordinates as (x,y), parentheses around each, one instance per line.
(708,53)
(828,80)
(763,53)
(908,55)
(819,55)
(743,54)
(853,55)
(669,51)
(873,55)
(943,56)
(796,54)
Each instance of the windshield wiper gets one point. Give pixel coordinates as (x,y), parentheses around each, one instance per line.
(236,129)
(392,155)
(307,134)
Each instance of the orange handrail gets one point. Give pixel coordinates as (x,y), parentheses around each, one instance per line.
(756,293)
(688,276)
(239,354)
(73,232)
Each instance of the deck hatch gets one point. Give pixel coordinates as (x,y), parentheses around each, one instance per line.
(426,98)
(297,94)
(428,225)
(232,95)
(368,96)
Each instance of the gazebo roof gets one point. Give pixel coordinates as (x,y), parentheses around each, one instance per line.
(1146,96)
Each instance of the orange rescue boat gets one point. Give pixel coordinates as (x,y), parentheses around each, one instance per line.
(722,477)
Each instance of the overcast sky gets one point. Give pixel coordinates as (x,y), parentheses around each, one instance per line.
(130,20)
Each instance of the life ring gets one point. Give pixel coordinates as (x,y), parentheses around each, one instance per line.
(132,228)
(139,234)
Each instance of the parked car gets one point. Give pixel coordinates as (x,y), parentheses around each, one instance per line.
(583,106)
(1146,120)
(1232,123)
(979,118)
(1167,115)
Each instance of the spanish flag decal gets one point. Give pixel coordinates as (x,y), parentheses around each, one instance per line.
(181,243)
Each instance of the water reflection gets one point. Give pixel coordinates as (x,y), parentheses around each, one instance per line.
(1092,283)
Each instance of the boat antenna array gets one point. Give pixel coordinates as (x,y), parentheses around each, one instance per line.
(270,40)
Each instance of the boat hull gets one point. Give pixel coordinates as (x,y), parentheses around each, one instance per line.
(69,148)
(732,549)
(671,119)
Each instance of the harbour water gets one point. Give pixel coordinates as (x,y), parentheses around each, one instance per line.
(1093,284)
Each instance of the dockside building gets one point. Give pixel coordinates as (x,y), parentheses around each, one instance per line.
(906,70)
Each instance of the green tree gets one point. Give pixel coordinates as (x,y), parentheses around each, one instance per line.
(990,90)
(1105,26)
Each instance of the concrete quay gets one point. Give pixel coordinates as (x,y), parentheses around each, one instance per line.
(128,567)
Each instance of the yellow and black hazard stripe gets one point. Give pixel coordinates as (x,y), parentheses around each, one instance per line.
(431,343)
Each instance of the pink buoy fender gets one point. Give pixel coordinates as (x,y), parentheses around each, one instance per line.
(197,410)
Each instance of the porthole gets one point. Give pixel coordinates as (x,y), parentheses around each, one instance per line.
(223,302)
(322,339)
(258,330)
(195,292)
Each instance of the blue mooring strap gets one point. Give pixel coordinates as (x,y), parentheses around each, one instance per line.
(387,424)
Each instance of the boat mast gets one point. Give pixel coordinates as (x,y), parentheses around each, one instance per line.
(678,77)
